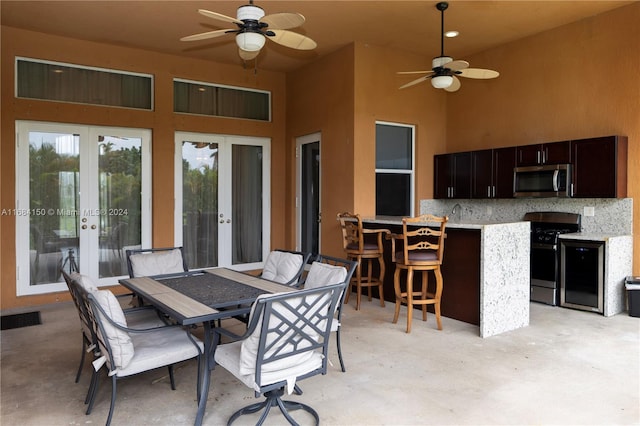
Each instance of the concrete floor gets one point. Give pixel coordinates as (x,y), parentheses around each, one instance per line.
(568,367)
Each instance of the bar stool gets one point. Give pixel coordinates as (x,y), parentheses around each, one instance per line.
(423,250)
(359,248)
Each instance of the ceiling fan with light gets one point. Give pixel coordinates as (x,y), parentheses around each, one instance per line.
(445,71)
(254,28)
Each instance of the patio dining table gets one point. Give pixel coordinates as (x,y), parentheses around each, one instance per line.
(203,297)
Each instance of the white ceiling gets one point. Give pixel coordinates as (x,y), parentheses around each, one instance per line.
(413,26)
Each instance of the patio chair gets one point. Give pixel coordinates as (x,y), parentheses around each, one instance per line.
(145,317)
(327,270)
(285,266)
(286,341)
(422,250)
(156,261)
(127,351)
(364,246)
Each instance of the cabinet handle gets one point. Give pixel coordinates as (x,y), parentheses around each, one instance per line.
(538,157)
(494,191)
(488,192)
(572,190)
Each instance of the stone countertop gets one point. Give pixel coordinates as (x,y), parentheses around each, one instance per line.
(461,224)
(590,236)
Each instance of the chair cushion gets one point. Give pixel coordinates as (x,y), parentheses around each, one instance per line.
(249,347)
(229,357)
(281,266)
(160,348)
(121,345)
(366,246)
(149,264)
(419,255)
(321,274)
(85,281)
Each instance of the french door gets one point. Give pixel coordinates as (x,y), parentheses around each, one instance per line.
(83,197)
(222,187)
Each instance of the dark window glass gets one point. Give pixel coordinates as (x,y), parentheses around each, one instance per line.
(68,83)
(208,99)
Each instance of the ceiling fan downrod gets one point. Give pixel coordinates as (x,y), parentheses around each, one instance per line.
(442,6)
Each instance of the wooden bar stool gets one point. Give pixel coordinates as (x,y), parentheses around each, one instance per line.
(423,250)
(362,249)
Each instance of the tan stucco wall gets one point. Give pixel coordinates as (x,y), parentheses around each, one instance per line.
(162,121)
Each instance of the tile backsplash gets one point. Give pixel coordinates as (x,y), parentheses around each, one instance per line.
(610,215)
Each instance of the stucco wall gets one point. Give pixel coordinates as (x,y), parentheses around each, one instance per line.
(162,121)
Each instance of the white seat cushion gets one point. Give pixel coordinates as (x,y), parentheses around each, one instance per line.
(281,369)
(281,266)
(149,264)
(85,281)
(229,356)
(121,345)
(322,274)
(160,348)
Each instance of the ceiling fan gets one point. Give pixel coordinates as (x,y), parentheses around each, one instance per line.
(445,70)
(254,28)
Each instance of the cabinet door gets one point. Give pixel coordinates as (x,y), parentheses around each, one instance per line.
(557,152)
(482,174)
(442,165)
(462,175)
(528,155)
(504,161)
(600,167)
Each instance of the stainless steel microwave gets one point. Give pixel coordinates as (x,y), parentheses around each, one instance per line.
(553,180)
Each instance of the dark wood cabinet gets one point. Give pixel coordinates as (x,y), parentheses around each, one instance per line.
(600,167)
(452,175)
(546,153)
(492,173)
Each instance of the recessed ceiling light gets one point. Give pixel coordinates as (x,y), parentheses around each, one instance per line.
(451,34)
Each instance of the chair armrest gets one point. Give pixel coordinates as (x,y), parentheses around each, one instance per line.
(393,238)
(375,231)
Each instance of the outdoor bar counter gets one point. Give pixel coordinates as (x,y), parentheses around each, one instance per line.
(485,272)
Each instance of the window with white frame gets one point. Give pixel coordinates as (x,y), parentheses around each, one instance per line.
(394,169)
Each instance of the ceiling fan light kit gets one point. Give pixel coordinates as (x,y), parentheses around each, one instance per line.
(250,41)
(442,81)
(253,29)
(445,71)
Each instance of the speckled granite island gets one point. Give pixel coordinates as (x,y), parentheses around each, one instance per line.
(501,270)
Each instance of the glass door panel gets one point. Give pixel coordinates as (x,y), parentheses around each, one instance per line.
(119,201)
(247,204)
(200,203)
(54,191)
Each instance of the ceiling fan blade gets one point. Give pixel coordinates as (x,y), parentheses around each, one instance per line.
(248,55)
(414,82)
(478,73)
(283,21)
(457,65)
(455,85)
(219,16)
(293,40)
(208,34)
(414,72)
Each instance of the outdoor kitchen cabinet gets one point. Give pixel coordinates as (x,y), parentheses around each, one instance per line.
(452,175)
(599,167)
(546,153)
(492,173)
